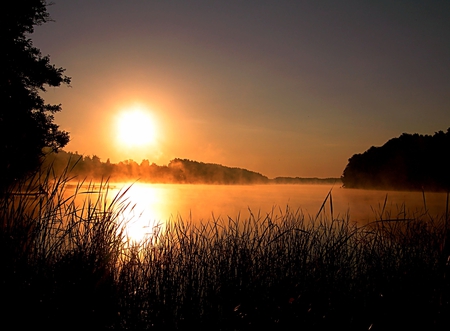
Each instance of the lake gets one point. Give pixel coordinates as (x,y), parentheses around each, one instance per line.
(157,203)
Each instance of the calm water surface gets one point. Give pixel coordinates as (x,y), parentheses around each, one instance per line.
(157,203)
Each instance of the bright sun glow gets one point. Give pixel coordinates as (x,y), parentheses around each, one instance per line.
(135,127)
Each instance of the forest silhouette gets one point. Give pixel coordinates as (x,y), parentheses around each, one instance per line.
(180,171)
(177,171)
(408,162)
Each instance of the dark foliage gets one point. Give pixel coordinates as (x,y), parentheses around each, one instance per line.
(409,162)
(26,121)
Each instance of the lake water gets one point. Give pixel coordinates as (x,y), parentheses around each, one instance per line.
(157,203)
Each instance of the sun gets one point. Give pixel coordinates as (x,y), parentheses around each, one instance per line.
(135,127)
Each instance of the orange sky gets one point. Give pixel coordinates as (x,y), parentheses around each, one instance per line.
(277,87)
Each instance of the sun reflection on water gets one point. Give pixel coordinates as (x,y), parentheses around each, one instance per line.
(145,209)
(139,208)
(153,205)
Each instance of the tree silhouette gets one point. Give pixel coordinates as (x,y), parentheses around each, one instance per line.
(26,121)
(410,162)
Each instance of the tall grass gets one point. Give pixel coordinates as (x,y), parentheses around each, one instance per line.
(70,265)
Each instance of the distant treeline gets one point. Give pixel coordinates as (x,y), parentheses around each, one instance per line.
(300,180)
(177,171)
(181,171)
(409,162)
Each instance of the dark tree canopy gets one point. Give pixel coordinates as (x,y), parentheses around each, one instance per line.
(26,121)
(409,162)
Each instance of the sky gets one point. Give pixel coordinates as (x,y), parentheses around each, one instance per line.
(283,88)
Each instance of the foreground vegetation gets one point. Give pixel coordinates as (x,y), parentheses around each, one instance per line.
(69,265)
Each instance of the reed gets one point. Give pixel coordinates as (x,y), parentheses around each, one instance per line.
(70,264)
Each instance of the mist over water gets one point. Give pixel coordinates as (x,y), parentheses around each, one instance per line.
(158,203)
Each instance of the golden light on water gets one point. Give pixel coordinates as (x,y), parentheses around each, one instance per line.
(153,205)
(145,211)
